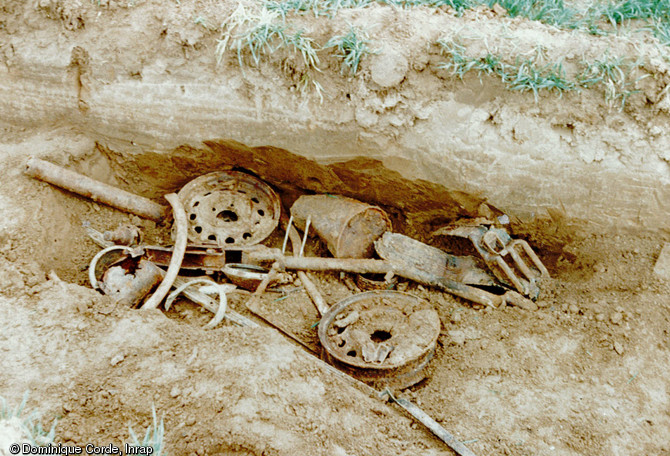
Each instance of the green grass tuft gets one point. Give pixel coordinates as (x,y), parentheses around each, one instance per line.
(458,5)
(661,30)
(29,423)
(552,12)
(527,76)
(154,437)
(614,75)
(262,34)
(317,7)
(351,48)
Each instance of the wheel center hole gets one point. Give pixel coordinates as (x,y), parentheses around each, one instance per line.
(380,336)
(227,216)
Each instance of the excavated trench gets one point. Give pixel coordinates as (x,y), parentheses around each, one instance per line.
(484,369)
(416,207)
(126,93)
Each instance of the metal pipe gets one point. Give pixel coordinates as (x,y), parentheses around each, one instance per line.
(94,190)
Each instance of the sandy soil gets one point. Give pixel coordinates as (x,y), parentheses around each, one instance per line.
(586,374)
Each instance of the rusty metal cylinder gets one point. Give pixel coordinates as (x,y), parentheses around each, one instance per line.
(95,190)
(348,226)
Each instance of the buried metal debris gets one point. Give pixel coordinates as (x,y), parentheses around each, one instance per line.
(384,338)
(177,255)
(194,295)
(216,261)
(496,247)
(247,276)
(412,254)
(128,279)
(349,227)
(430,423)
(207,286)
(229,208)
(95,190)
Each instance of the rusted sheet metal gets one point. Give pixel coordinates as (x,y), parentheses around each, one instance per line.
(195,258)
(348,226)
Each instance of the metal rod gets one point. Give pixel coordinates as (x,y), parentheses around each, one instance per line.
(304,240)
(94,190)
(177,255)
(211,305)
(433,425)
(288,230)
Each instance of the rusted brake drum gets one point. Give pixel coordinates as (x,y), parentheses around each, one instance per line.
(229,208)
(384,338)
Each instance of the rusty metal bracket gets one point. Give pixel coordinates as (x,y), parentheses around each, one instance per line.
(512,261)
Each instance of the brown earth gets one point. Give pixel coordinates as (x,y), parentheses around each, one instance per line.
(586,374)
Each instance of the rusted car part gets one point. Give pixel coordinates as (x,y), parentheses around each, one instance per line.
(128,279)
(95,190)
(412,254)
(208,303)
(430,423)
(253,301)
(175,261)
(207,286)
(203,258)
(247,276)
(348,226)
(363,266)
(229,208)
(311,289)
(123,235)
(496,246)
(180,224)
(194,295)
(384,338)
(129,235)
(200,259)
(369,282)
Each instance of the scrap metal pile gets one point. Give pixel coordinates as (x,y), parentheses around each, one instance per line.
(382,337)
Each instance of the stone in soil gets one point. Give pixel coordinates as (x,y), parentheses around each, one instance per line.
(662,267)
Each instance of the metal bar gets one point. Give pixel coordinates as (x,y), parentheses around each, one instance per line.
(211,305)
(311,289)
(532,255)
(95,190)
(434,426)
(181,225)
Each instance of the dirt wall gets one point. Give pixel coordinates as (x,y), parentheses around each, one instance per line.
(144,78)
